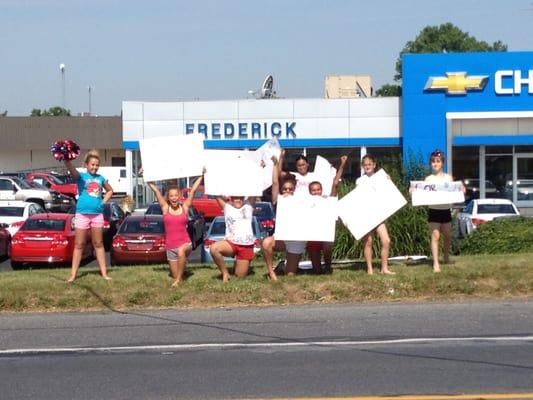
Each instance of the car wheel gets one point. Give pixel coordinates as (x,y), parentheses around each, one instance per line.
(16,265)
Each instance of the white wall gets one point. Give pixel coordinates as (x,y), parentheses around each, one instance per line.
(314,118)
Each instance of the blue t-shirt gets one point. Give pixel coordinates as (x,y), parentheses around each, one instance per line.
(90,188)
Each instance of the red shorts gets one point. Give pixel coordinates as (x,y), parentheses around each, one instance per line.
(242,252)
(314,246)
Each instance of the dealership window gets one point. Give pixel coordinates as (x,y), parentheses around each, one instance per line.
(465,167)
(498,171)
(386,157)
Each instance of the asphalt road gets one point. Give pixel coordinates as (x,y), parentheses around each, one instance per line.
(278,352)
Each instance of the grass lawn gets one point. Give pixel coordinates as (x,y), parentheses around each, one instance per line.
(487,276)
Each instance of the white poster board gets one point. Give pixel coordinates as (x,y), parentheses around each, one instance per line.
(369,204)
(304,217)
(171,157)
(232,173)
(263,157)
(431,193)
(324,172)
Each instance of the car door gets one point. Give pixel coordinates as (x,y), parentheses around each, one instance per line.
(195,226)
(7,189)
(464,217)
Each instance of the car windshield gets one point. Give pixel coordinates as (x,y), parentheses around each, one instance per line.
(55,180)
(154,209)
(36,185)
(22,183)
(141,226)
(495,209)
(11,211)
(263,210)
(45,224)
(64,178)
(218,227)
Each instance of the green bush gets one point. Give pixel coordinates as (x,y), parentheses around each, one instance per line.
(408,228)
(500,237)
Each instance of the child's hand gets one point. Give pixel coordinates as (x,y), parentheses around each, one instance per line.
(344,159)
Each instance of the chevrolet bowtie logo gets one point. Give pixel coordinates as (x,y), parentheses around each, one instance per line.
(456,83)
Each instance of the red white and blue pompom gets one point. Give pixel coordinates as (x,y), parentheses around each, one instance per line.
(65,150)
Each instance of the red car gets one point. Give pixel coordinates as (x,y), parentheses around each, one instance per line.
(52,182)
(205,204)
(140,240)
(45,238)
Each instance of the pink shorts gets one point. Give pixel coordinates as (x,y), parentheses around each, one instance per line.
(88,221)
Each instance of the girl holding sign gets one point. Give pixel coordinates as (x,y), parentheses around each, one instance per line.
(439,216)
(177,240)
(294,249)
(315,248)
(239,239)
(369,168)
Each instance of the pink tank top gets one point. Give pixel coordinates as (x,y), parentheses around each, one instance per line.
(176,233)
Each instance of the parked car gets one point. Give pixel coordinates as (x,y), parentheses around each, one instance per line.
(51,181)
(14,188)
(264,212)
(5,241)
(14,213)
(480,211)
(195,223)
(205,204)
(217,231)
(113,217)
(64,178)
(140,240)
(473,191)
(524,189)
(60,202)
(46,238)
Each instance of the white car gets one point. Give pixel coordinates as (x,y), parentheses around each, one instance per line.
(479,211)
(14,213)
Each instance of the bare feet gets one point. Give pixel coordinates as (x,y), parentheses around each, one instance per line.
(71,279)
(176,283)
(225,278)
(107,277)
(370,271)
(272,276)
(436,268)
(387,272)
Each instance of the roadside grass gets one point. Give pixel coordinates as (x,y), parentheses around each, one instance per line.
(145,287)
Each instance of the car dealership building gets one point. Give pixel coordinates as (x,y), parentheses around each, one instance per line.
(476,107)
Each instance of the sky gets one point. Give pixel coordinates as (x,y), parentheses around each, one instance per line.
(164,50)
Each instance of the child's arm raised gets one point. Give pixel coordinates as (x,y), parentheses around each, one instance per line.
(338,175)
(194,188)
(160,198)
(72,170)
(275,179)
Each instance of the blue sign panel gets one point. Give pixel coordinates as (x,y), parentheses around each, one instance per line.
(435,84)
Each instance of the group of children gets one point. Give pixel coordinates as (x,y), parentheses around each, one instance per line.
(238,212)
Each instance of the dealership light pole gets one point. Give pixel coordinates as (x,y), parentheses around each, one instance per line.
(63,99)
(89,89)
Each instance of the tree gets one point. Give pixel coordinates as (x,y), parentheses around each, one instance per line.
(55,111)
(389,90)
(446,38)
